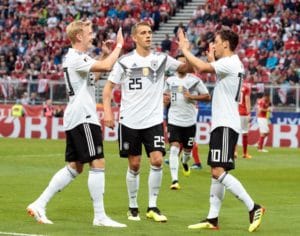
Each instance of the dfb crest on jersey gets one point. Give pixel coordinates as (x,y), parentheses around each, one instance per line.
(154,64)
(145,71)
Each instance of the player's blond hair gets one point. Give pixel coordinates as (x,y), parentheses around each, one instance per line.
(142,23)
(76,27)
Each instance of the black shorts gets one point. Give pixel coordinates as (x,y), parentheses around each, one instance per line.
(221,148)
(131,140)
(84,143)
(183,135)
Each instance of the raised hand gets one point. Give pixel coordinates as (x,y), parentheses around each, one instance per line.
(107,46)
(211,52)
(183,41)
(120,39)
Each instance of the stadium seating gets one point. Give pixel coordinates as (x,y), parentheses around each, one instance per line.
(33,38)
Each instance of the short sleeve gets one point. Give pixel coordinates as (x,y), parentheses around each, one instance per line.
(116,74)
(172,64)
(222,67)
(202,88)
(84,63)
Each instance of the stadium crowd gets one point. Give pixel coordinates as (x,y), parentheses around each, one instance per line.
(269,40)
(33,39)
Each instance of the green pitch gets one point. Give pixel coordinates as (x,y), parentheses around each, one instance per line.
(26,166)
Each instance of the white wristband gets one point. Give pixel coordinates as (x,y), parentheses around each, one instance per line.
(119,45)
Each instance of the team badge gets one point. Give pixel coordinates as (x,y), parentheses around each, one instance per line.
(180,89)
(154,64)
(145,71)
(126,146)
(99,149)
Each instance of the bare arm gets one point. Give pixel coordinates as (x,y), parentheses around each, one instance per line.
(107,63)
(248,103)
(167,99)
(201,65)
(107,96)
(199,97)
(185,68)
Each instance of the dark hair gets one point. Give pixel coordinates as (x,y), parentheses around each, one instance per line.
(230,36)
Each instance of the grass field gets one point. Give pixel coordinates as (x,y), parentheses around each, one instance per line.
(26,166)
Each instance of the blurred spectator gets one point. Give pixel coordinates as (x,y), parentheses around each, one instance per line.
(156,18)
(292,77)
(25,99)
(48,109)
(166,44)
(3,68)
(267,44)
(17,110)
(59,111)
(165,11)
(272,61)
(34,99)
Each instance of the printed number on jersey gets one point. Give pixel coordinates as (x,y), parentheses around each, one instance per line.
(215,155)
(70,89)
(238,93)
(159,141)
(135,83)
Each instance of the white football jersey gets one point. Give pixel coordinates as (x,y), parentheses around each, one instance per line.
(229,71)
(80,84)
(142,86)
(182,112)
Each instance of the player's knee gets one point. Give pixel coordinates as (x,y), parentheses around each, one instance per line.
(157,162)
(216,172)
(135,166)
(78,167)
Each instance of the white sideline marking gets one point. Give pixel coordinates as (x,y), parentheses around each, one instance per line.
(19,234)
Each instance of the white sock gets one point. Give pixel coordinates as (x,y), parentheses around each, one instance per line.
(217,193)
(96,185)
(133,183)
(186,156)
(154,183)
(58,182)
(233,185)
(174,162)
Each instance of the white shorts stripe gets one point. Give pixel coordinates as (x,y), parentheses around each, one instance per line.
(120,144)
(225,145)
(89,138)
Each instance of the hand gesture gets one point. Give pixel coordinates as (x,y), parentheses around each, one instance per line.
(211,52)
(120,39)
(109,119)
(183,41)
(107,46)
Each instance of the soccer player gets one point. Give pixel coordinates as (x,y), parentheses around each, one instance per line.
(141,76)
(263,109)
(197,161)
(182,91)
(244,111)
(81,123)
(225,125)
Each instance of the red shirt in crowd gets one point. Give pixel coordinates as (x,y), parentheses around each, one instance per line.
(246,91)
(262,103)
